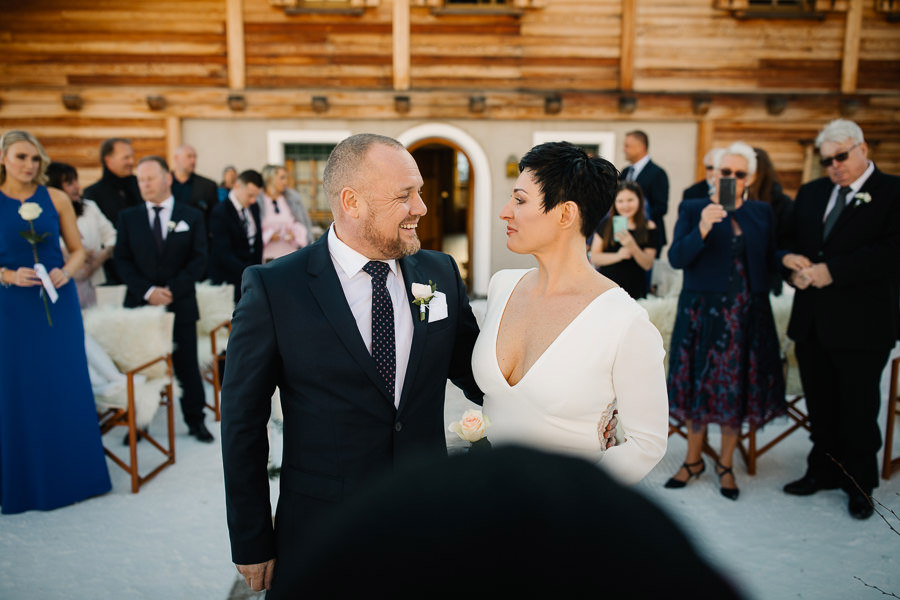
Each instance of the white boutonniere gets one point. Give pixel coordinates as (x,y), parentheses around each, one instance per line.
(423,293)
(862,198)
(171,226)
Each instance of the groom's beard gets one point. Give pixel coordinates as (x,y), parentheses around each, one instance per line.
(389,247)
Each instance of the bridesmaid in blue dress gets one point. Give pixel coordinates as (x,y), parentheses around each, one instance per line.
(50,449)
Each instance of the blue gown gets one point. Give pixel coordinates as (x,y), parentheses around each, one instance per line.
(51,454)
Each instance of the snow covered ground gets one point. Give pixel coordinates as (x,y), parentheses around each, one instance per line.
(170,541)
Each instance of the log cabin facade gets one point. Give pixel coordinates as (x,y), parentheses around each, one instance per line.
(467,85)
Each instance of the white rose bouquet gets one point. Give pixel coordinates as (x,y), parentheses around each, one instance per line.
(30,211)
(471,427)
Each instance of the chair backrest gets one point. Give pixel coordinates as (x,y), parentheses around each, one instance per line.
(110,295)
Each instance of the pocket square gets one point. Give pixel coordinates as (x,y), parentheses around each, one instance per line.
(437,307)
(181,227)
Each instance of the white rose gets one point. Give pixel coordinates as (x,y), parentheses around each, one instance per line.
(471,426)
(421,291)
(30,211)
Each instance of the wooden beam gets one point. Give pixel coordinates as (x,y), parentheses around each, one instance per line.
(173,137)
(401,45)
(852,31)
(234,33)
(626,51)
(705,136)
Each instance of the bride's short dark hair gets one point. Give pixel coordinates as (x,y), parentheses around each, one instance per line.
(566,173)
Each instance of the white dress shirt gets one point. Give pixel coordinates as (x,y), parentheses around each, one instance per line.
(854,188)
(637,167)
(244,214)
(165,215)
(357,286)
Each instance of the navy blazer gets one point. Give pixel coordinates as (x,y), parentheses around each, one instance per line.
(655,184)
(294,329)
(181,265)
(861,308)
(230,252)
(707,262)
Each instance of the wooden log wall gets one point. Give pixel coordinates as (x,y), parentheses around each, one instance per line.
(114,55)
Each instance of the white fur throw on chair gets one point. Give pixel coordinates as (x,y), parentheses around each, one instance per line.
(132,337)
(216,303)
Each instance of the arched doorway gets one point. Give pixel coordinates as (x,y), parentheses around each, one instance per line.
(454,139)
(447,193)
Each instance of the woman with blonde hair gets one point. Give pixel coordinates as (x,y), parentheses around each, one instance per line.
(285,222)
(50,449)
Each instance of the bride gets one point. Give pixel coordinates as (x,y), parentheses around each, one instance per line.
(561,346)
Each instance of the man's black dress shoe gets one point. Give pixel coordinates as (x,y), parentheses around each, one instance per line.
(859,506)
(807,485)
(200,432)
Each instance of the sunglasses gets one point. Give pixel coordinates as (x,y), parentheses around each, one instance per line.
(728,173)
(839,157)
(709,167)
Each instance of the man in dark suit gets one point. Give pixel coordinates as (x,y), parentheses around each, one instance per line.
(116,190)
(187,186)
(650,176)
(844,239)
(160,254)
(703,188)
(236,232)
(362,376)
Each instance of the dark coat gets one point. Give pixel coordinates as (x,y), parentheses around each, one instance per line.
(861,309)
(655,183)
(179,267)
(294,329)
(230,251)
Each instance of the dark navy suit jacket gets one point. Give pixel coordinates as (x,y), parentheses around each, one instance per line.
(655,184)
(707,262)
(294,329)
(230,251)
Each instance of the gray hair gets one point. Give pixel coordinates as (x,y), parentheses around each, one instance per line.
(17,135)
(343,164)
(840,130)
(713,156)
(743,150)
(269,172)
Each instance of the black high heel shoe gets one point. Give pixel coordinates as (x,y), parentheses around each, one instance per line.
(721,471)
(673,483)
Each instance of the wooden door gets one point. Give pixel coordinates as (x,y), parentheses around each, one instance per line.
(436,165)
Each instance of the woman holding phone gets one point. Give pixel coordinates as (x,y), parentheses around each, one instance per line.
(724,357)
(624,247)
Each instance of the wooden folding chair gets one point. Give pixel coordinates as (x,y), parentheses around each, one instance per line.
(747,446)
(893,407)
(678,426)
(114,417)
(211,371)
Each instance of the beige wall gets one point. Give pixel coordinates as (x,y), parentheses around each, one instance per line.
(243,143)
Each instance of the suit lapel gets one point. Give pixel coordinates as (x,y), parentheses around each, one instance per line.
(326,289)
(411,274)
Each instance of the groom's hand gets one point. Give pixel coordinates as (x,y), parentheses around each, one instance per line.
(610,433)
(258,576)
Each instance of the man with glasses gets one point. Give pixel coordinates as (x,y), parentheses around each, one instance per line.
(703,188)
(844,261)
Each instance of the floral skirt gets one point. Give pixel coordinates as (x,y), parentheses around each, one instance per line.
(724,359)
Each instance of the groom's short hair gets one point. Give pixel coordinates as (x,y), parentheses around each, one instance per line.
(343,166)
(525,522)
(564,172)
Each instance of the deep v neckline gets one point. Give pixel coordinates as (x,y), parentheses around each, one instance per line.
(549,347)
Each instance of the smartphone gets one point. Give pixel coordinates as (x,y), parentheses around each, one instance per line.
(620,223)
(726,193)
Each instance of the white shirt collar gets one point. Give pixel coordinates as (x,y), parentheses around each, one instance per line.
(349,260)
(639,165)
(166,204)
(237,203)
(856,185)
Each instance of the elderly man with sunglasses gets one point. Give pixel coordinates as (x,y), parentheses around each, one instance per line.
(844,261)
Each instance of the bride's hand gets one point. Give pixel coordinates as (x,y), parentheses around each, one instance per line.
(610,433)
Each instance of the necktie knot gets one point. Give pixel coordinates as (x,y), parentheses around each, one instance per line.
(377,269)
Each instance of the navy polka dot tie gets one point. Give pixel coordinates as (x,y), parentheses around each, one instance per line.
(382,323)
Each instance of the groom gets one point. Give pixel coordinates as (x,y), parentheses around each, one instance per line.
(361,369)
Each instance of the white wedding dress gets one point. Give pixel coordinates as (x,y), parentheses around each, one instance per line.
(609,357)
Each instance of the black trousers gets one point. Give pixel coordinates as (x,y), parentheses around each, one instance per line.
(843,396)
(184,361)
